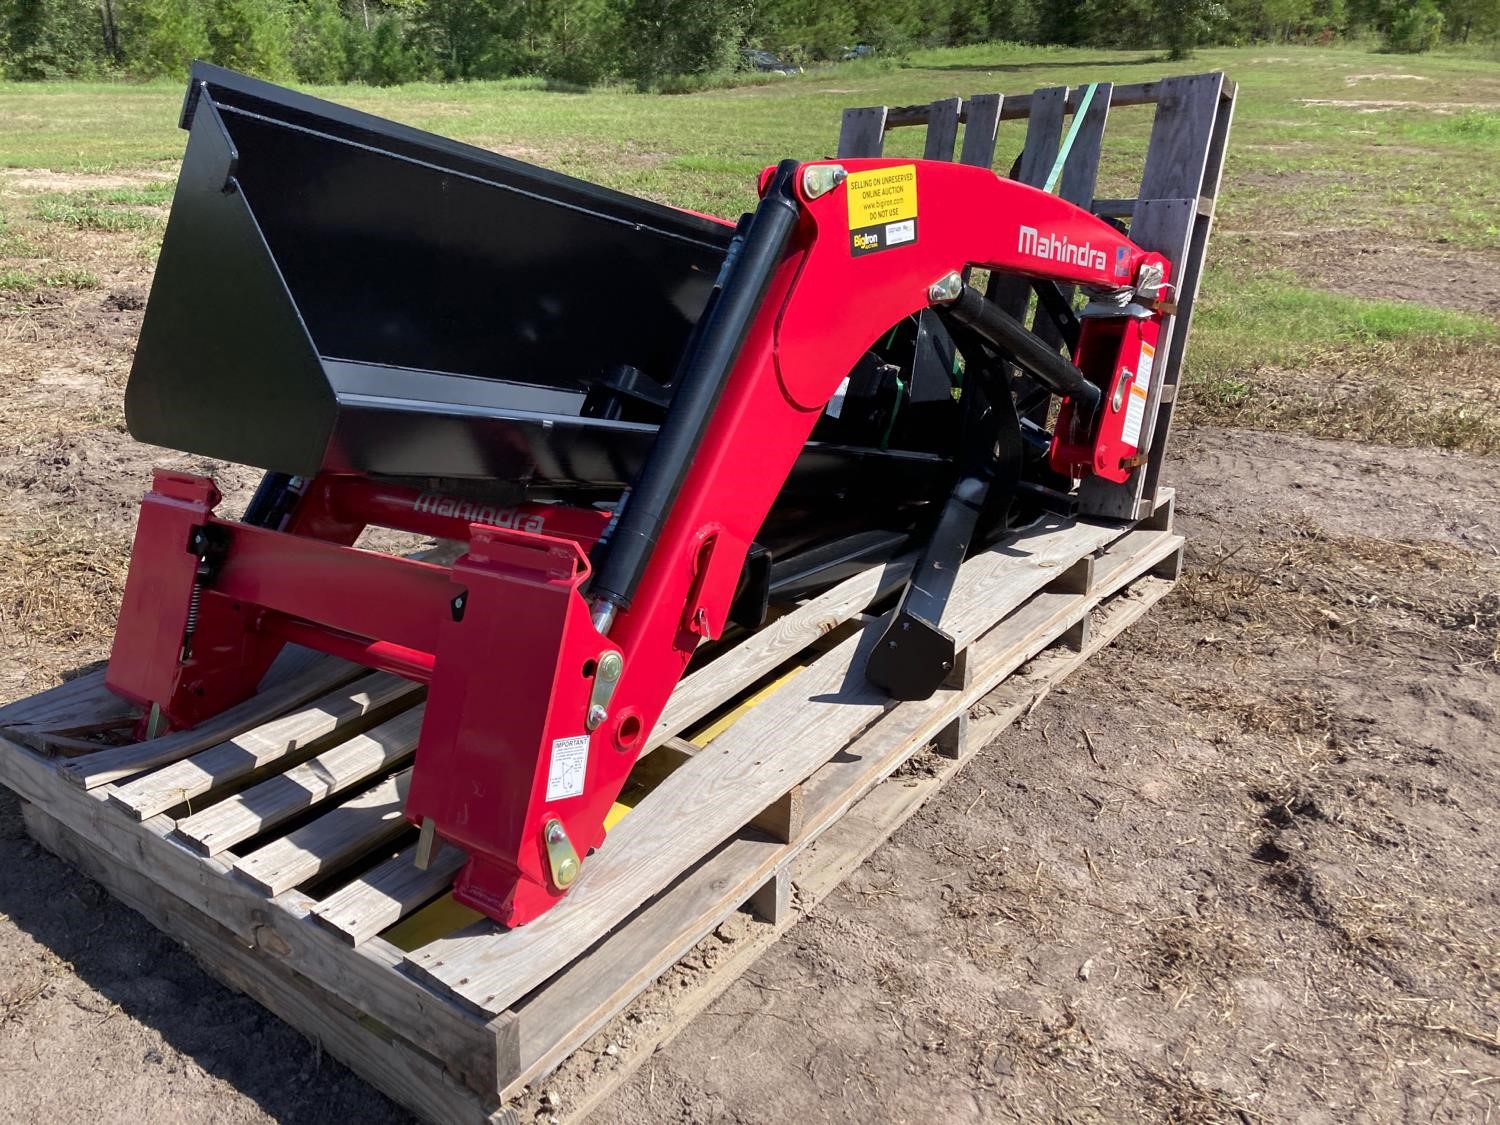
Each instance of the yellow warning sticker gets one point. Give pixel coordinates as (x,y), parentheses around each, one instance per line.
(882,196)
(882,208)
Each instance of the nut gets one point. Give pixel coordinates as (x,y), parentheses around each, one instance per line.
(820,179)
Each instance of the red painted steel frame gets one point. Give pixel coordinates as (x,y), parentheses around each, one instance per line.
(504,637)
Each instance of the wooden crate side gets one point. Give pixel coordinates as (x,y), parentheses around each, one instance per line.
(1189,283)
(408,1076)
(1172,214)
(1184,162)
(482,1053)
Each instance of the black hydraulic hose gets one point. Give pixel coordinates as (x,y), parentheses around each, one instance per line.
(981,315)
(701,376)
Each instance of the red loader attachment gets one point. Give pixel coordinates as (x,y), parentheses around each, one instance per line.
(647,428)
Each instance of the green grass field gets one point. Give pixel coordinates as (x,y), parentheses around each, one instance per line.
(1336,155)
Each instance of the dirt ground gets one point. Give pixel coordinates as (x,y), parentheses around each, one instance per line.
(1242,868)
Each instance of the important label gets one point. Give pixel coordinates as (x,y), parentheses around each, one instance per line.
(882,208)
(570,761)
(1135,409)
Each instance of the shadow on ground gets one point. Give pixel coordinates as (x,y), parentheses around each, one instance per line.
(118,996)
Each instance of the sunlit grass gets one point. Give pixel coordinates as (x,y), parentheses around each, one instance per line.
(1393,151)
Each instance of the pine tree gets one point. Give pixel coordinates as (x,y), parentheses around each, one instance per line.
(252,35)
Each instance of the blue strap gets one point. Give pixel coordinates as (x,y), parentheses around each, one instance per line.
(1067,145)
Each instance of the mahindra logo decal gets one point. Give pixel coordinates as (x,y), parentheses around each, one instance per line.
(436,504)
(1057,248)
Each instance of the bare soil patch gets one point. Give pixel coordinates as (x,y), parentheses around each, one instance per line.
(1233,873)
(43,179)
(1356,79)
(1385,105)
(1367,264)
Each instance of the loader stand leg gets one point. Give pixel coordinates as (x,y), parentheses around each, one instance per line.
(915,655)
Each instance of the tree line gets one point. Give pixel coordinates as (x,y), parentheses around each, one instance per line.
(650,42)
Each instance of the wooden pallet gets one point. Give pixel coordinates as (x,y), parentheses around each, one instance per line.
(270,842)
(274,849)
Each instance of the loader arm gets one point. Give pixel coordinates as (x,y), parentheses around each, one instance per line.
(616,514)
(821,301)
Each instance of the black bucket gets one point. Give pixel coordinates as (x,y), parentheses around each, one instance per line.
(337,292)
(340,293)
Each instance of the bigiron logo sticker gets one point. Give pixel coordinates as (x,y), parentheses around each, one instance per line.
(882,208)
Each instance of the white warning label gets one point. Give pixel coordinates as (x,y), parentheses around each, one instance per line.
(1143,373)
(570,761)
(1135,414)
(1135,408)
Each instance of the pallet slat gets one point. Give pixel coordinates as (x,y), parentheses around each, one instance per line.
(942,129)
(282,797)
(320,677)
(1043,139)
(863,132)
(260,746)
(1080,175)
(85,704)
(81,702)
(704,690)
(330,841)
(982,120)
(390,892)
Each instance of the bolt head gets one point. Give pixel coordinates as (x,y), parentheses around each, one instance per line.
(611,664)
(597,715)
(567,871)
(945,289)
